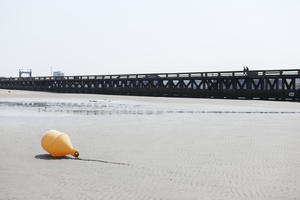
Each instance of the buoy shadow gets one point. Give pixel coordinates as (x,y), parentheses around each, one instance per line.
(49,157)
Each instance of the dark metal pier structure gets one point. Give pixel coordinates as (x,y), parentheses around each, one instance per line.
(253,84)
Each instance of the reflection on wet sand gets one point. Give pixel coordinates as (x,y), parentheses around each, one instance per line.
(109,108)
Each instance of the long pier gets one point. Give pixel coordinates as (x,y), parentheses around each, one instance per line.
(253,84)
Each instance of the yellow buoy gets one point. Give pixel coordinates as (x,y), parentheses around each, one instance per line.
(58,144)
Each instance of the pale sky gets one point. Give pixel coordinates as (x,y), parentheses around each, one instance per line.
(136,36)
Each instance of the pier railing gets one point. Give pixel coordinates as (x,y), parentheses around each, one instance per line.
(253,73)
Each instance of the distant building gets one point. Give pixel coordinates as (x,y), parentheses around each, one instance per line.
(26,72)
(58,73)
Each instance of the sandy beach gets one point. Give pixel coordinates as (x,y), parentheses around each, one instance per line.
(174,148)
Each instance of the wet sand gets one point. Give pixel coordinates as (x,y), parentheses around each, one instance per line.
(169,148)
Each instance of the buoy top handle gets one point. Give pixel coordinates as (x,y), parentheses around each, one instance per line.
(76,154)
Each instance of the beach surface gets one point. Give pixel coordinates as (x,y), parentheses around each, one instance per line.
(139,148)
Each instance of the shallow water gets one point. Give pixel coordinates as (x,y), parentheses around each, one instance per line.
(107,107)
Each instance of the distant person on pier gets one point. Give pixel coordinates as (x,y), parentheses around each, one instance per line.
(246,70)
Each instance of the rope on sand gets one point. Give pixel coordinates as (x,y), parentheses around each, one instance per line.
(103,161)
